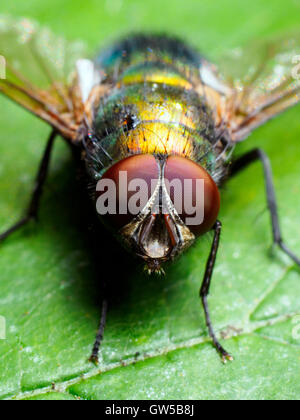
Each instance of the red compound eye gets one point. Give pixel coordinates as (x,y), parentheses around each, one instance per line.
(194,193)
(123,181)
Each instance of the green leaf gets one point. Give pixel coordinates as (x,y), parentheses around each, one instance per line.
(156,343)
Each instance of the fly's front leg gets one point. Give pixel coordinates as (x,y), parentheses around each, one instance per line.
(100,333)
(204,291)
(243,162)
(32,210)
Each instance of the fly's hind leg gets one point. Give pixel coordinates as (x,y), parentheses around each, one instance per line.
(32,210)
(204,291)
(243,162)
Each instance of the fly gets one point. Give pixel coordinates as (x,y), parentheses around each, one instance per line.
(155,125)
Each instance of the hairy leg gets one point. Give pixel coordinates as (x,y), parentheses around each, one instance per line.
(243,162)
(204,291)
(33,207)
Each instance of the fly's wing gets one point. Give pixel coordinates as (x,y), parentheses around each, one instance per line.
(38,71)
(264,79)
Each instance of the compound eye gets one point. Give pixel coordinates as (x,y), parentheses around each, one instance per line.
(193,192)
(126,188)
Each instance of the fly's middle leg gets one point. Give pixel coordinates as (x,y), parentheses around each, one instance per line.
(243,162)
(204,291)
(33,207)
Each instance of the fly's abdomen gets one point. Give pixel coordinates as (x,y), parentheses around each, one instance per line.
(153,107)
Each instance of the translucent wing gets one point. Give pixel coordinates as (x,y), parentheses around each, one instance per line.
(264,80)
(38,72)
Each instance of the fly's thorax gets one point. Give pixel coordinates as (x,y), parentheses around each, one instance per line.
(151,118)
(154,107)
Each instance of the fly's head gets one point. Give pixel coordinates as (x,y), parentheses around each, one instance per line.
(158,205)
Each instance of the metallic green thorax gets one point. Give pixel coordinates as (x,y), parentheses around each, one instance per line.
(153,106)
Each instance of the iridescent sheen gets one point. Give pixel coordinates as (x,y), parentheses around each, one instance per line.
(153,106)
